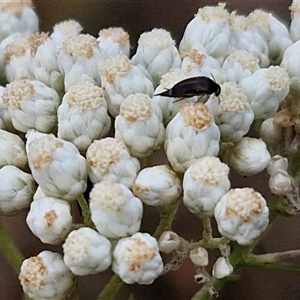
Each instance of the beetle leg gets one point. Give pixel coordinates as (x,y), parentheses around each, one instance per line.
(181,98)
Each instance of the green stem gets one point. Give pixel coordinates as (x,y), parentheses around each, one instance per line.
(274,260)
(167,214)
(111,289)
(85,211)
(207,230)
(10,250)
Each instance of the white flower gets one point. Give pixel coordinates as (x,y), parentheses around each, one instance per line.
(199,64)
(46,277)
(17,16)
(114,41)
(208,30)
(277,164)
(139,125)
(65,29)
(248,156)
(280,182)
(273,31)
(12,150)
(50,219)
(17,54)
(44,65)
(83,116)
(295,20)
(137,259)
(120,78)
(156,51)
(32,105)
(79,58)
(222,268)
(109,159)
(232,112)
(239,64)
(265,89)
(56,165)
(191,134)
(168,241)
(291,64)
(170,106)
(204,182)
(86,252)
(5,118)
(157,185)
(242,215)
(248,38)
(16,190)
(271,132)
(199,257)
(114,209)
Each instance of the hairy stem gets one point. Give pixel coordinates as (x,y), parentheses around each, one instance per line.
(167,214)
(85,211)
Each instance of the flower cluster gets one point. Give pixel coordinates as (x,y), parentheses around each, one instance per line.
(80,115)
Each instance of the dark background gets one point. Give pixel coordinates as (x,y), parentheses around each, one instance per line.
(136,17)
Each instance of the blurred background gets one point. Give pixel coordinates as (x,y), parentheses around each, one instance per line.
(136,17)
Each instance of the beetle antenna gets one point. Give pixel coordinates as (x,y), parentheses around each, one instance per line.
(213,77)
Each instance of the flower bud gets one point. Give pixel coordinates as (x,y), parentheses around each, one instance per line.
(114,209)
(204,182)
(79,58)
(16,190)
(109,159)
(242,37)
(155,47)
(56,165)
(295,20)
(199,257)
(232,112)
(290,63)
(114,41)
(198,64)
(265,89)
(168,241)
(5,117)
(273,31)
(45,276)
(83,116)
(242,215)
(280,184)
(12,150)
(17,16)
(32,105)
(120,78)
(222,268)
(65,29)
(50,219)
(157,185)
(137,259)
(86,252)
(208,30)
(248,156)
(240,64)
(139,125)
(190,135)
(270,132)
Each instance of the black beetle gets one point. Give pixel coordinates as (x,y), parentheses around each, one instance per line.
(194,86)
